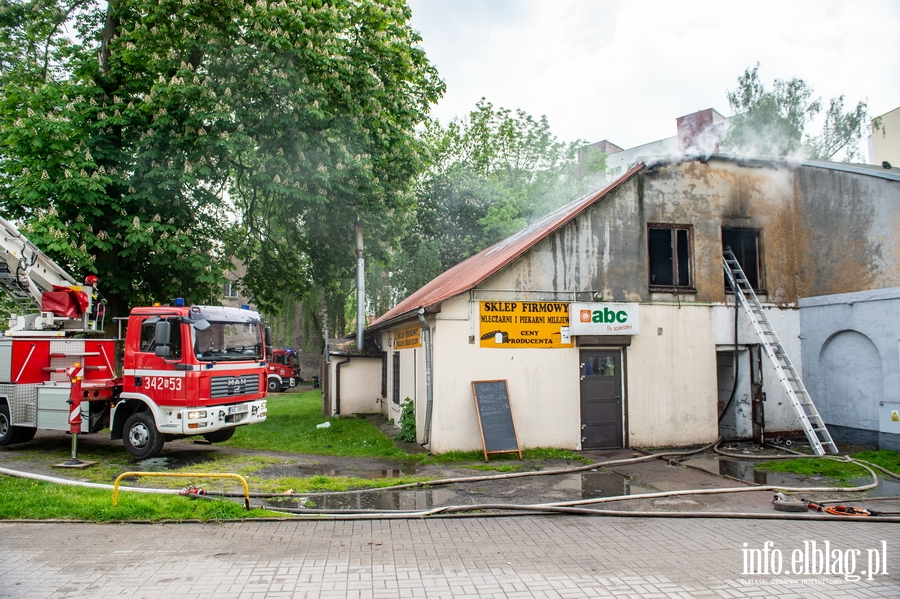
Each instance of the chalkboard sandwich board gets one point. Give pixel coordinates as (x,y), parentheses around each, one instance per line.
(495,419)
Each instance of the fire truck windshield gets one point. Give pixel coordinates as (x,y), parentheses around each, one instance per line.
(224,341)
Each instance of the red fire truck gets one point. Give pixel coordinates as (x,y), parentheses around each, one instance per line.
(179,371)
(284,370)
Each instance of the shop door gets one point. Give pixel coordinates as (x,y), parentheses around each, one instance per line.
(601,399)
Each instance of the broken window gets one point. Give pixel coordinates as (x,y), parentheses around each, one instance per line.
(745,244)
(669,249)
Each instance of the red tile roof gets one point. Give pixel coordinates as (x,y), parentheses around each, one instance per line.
(470,273)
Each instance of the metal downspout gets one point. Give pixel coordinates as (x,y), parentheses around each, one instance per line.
(360,289)
(429,386)
(337,385)
(735,366)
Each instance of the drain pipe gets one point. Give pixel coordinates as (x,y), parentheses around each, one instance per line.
(337,385)
(429,384)
(360,288)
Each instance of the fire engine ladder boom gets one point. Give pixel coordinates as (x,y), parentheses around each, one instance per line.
(25,271)
(15,291)
(818,435)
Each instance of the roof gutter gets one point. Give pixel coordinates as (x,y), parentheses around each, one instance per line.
(410,315)
(429,382)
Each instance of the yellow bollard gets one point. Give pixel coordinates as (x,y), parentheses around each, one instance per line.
(115,497)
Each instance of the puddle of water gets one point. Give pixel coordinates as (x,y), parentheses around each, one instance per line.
(367,474)
(746,471)
(604,484)
(887,487)
(595,484)
(171,461)
(589,484)
(384,500)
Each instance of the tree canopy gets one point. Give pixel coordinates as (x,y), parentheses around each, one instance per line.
(774,122)
(150,141)
(487,176)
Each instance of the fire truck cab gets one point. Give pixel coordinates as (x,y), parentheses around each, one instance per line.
(197,370)
(179,371)
(284,370)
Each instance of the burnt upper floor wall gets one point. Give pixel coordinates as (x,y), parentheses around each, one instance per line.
(605,248)
(709,197)
(819,232)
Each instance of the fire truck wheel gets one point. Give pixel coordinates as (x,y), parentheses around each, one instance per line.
(141,438)
(220,436)
(6,429)
(10,434)
(23,434)
(274,385)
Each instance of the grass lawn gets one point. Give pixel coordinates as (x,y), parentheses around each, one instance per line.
(842,472)
(34,500)
(292,426)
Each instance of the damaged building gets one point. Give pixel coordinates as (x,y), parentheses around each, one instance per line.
(613,325)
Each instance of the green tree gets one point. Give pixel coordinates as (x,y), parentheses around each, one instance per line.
(489,175)
(842,132)
(774,122)
(167,135)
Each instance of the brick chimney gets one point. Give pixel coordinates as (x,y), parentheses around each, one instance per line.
(699,131)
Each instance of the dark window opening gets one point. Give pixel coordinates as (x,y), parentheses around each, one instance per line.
(395,394)
(745,244)
(669,249)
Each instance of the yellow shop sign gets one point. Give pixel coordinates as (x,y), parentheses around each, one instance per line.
(408,338)
(524,324)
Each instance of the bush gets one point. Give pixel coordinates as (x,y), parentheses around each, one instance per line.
(407,422)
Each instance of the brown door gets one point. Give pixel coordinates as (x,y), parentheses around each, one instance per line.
(601,399)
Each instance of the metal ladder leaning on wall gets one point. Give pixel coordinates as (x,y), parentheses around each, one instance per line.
(818,435)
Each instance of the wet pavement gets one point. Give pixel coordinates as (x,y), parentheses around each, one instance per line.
(696,545)
(548,557)
(548,481)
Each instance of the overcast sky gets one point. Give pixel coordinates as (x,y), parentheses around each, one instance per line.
(624,70)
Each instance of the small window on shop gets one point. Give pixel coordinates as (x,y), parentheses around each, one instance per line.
(669,250)
(600,366)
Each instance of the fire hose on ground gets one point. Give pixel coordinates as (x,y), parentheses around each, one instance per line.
(568,507)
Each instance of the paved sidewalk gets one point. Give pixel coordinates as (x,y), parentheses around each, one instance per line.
(546,557)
